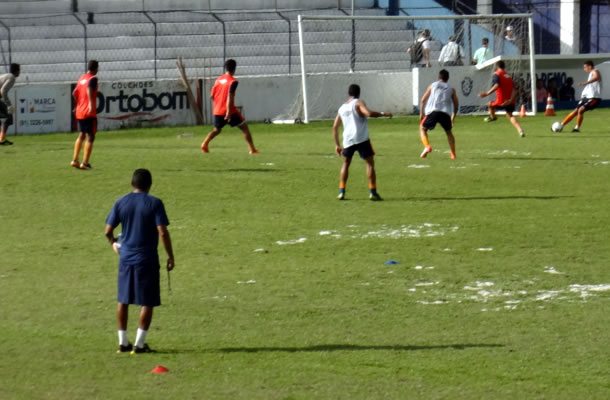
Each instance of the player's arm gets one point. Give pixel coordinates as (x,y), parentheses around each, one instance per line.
(109,233)
(364,111)
(424,100)
(167,244)
(231,100)
(90,99)
(456,106)
(596,77)
(336,126)
(4,91)
(490,91)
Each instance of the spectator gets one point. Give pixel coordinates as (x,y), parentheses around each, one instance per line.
(483,53)
(540,91)
(509,34)
(420,51)
(567,93)
(553,89)
(451,53)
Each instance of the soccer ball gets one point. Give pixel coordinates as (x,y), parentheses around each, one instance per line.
(556,127)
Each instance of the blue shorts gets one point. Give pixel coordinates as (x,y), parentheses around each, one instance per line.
(364,149)
(8,118)
(588,104)
(88,126)
(437,117)
(235,120)
(139,284)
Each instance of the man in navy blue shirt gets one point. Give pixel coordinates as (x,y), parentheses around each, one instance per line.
(143,222)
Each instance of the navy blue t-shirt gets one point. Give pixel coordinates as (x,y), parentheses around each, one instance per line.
(139,215)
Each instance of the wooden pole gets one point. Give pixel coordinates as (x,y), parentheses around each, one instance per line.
(189,94)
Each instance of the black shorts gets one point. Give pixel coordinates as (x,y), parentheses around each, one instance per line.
(88,126)
(4,114)
(365,150)
(588,104)
(508,108)
(139,284)
(437,117)
(235,120)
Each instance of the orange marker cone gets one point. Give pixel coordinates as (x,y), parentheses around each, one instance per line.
(522,113)
(550,108)
(160,369)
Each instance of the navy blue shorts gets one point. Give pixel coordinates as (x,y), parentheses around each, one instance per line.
(588,104)
(510,108)
(88,126)
(437,117)
(139,284)
(364,149)
(235,120)
(8,118)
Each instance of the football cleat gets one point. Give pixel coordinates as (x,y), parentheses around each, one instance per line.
(424,153)
(489,119)
(375,197)
(85,166)
(142,350)
(124,349)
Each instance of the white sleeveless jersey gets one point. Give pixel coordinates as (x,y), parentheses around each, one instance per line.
(440,98)
(592,90)
(355,127)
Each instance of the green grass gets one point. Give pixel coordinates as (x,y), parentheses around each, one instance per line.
(325,318)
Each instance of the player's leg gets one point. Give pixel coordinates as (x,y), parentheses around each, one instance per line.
(571,115)
(492,112)
(372,178)
(122,313)
(579,118)
(3,130)
(78,144)
(451,141)
(423,136)
(515,123)
(343,175)
(248,137)
(88,149)
(211,135)
(144,321)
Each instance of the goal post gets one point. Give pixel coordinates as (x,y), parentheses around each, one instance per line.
(336,50)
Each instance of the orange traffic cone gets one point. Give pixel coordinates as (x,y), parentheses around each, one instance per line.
(550,108)
(522,113)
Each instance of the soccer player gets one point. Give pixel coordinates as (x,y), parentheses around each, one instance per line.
(6,107)
(225,112)
(590,98)
(435,107)
(353,114)
(143,222)
(506,96)
(85,96)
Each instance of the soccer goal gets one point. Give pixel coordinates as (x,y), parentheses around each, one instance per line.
(383,55)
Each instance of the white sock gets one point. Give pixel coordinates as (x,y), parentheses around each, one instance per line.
(123,338)
(141,338)
(576,127)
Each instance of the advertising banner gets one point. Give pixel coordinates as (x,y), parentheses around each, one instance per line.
(36,110)
(128,104)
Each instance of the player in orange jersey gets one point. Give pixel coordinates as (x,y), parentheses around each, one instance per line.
(225,112)
(506,96)
(85,96)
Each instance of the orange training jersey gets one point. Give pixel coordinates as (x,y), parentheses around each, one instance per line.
(224,85)
(505,89)
(82,101)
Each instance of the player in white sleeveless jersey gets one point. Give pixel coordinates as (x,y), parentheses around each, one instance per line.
(435,107)
(353,115)
(590,98)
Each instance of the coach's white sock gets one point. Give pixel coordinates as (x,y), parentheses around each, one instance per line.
(141,338)
(123,338)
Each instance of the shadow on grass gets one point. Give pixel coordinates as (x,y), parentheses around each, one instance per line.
(484,198)
(335,347)
(240,170)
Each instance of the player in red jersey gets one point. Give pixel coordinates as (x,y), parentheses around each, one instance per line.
(225,112)
(85,96)
(506,96)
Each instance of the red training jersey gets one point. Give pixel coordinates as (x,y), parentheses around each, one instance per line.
(505,89)
(82,101)
(224,85)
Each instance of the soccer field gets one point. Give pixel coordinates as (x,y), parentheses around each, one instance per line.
(500,290)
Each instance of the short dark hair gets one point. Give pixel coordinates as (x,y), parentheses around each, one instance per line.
(230,65)
(93,65)
(485,40)
(570,80)
(500,64)
(443,75)
(141,179)
(14,68)
(589,63)
(354,90)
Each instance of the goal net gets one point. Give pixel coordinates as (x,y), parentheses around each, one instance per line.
(394,59)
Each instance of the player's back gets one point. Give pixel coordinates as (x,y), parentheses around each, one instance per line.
(506,85)
(441,95)
(220,93)
(87,81)
(355,126)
